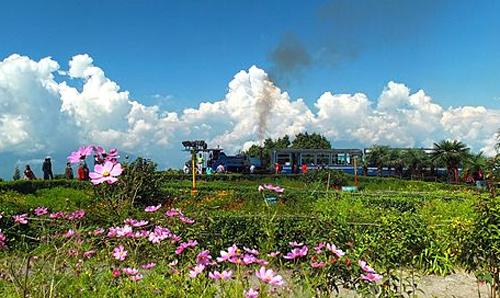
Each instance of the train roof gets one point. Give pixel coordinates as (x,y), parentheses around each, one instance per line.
(316,151)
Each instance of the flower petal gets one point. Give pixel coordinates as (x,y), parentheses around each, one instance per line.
(117,170)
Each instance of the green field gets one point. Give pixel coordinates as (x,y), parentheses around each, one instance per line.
(401,228)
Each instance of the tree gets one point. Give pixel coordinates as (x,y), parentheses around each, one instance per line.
(396,161)
(17,174)
(268,146)
(474,165)
(452,154)
(415,160)
(378,156)
(310,141)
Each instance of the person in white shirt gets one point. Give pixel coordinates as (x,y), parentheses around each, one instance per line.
(220,169)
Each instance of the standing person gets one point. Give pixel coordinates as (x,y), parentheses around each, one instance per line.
(86,171)
(28,173)
(185,169)
(83,172)
(47,169)
(304,168)
(199,163)
(252,169)
(80,172)
(277,168)
(68,172)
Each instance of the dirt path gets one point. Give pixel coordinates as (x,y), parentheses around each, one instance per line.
(457,285)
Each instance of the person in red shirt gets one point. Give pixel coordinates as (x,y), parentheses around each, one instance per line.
(304,168)
(277,168)
(81,172)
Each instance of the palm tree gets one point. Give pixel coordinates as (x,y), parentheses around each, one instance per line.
(396,161)
(474,166)
(451,153)
(415,160)
(378,156)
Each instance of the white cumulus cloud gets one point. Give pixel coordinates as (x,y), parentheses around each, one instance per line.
(42,115)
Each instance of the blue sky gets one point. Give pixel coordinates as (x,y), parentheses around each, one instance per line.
(191,49)
(177,55)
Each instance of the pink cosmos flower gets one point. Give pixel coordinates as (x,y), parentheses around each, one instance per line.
(141,234)
(98,231)
(371,277)
(196,270)
(148,266)
(136,277)
(41,211)
(296,253)
(159,234)
(76,215)
(173,212)
(120,253)
(69,233)
(249,259)
(21,218)
(273,188)
(273,254)
(184,245)
(262,262)
(135,223)
(175,238)
(295,244)
(335,250)
(152,208)
(251,293)
(125,231)
(89,254)
(116,273)
(173,263)
(130,271)
(251,251)
(80,154)
(365,267)
(106,173)
(318,264)
(186,220)
(58,214)
(225,275)
(269,277)
(204,258)
(3,239)
(232,251)
(112,155)
(319,248)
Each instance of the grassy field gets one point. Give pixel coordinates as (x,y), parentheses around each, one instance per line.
(401,228)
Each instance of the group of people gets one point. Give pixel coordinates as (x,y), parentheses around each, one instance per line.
(303,169)
(46,169)
(199,167)
(82,171)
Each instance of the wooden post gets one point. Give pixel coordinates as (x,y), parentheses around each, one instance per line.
(328,183)
(355,172)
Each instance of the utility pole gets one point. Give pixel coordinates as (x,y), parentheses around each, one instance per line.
(194,147)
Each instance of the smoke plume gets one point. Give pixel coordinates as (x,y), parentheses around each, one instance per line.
(264,103)
(289,58)
(347,28)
